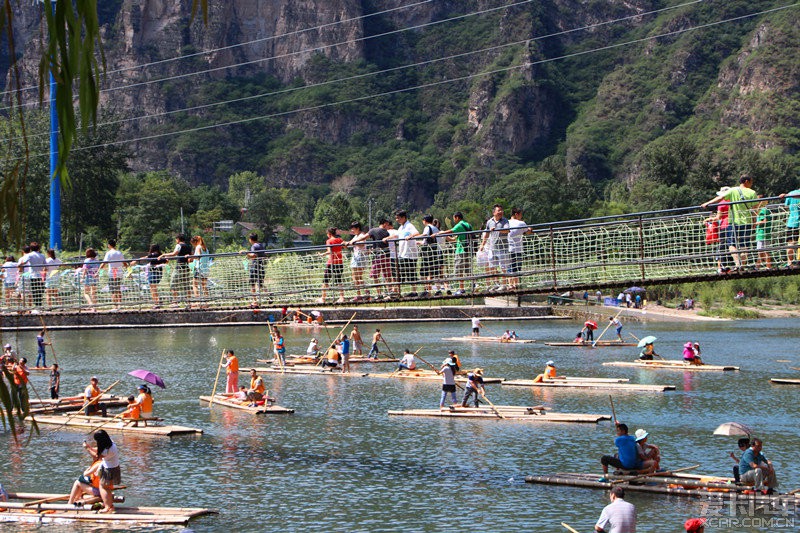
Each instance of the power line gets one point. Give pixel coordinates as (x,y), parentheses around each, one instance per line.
(393,69)
(526,64)
(304,51)
(255,41)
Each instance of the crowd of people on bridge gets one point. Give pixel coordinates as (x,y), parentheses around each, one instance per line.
(389,261)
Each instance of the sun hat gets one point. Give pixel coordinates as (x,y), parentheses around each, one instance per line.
(723,191)
(640,434)
(142,387)
(7,346)
(551,363)
(688,345)
(693,525)
(478,371)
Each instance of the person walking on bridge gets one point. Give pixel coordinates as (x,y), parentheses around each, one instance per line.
(740,227)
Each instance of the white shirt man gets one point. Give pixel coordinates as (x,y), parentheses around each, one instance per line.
(618,516)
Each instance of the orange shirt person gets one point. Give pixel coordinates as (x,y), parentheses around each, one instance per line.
(91,393)
(549,373)
(145,401)
(232,372)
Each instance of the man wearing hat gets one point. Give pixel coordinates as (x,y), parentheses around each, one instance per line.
(474,386)
(448,372)
(549,373)
(740,219)
(651,454)
(313,348)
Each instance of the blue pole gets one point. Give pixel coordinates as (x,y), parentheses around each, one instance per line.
(55,179)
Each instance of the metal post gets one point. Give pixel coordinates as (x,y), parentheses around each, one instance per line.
(55,179)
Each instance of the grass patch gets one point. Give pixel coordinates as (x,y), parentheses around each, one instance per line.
(730,311)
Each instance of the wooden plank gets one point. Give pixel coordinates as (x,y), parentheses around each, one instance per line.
(589,385)
(82,421)
(234,404)
(671,365)
(429,375)
(785,381)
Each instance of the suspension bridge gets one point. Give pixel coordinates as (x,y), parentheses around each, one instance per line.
(674,246)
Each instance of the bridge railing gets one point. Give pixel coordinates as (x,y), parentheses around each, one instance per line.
(666,245)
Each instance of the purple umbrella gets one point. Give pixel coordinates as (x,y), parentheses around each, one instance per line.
(149,377)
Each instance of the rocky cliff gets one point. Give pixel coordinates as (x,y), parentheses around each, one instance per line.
(523,83)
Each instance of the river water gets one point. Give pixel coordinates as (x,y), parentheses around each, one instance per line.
(341,464)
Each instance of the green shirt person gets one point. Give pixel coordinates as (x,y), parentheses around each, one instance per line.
(740,231)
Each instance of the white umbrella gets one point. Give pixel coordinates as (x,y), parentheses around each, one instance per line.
(733,428)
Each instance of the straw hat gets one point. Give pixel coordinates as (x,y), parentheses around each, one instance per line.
(640,434)
(478,371)
(723,191)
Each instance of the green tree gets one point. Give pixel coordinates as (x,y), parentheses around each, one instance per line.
(335,210)
(267,211)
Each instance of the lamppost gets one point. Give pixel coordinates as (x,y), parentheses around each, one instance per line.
(369,207)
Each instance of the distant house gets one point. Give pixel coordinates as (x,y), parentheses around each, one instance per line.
(301,235)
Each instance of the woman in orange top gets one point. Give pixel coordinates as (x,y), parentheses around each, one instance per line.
(549,373)
(145,401)
(232,372)
(86,485)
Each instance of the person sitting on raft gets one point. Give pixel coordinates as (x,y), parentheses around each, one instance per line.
(145,401)
(629,455)
(579,337)
(133,412)
(649,451)
(549,373)
(256,391)
(87,484)
(331,359)
(648,352)
(691,355)
(407,362)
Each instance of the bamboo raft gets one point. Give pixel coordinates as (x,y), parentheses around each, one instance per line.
(146,427)
(591,344)
(72,403)
(785,381)
(41,508)
(469,338)
(294,360)
(687,485)
(425,375)
(428,375)
(598,384)
(265,409)
(671,365)
(508,412)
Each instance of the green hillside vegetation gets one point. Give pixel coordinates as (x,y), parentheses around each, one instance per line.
(657,124)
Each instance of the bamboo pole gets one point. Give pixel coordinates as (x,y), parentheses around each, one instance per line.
(492,406)
(594,343)
(659,474)
(569,528)
(84,406)
(118,416)
(216,380)
(387,347)
(49,340)
(613,412)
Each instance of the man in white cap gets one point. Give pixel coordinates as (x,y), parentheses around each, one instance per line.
(448,372)
(650,453)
